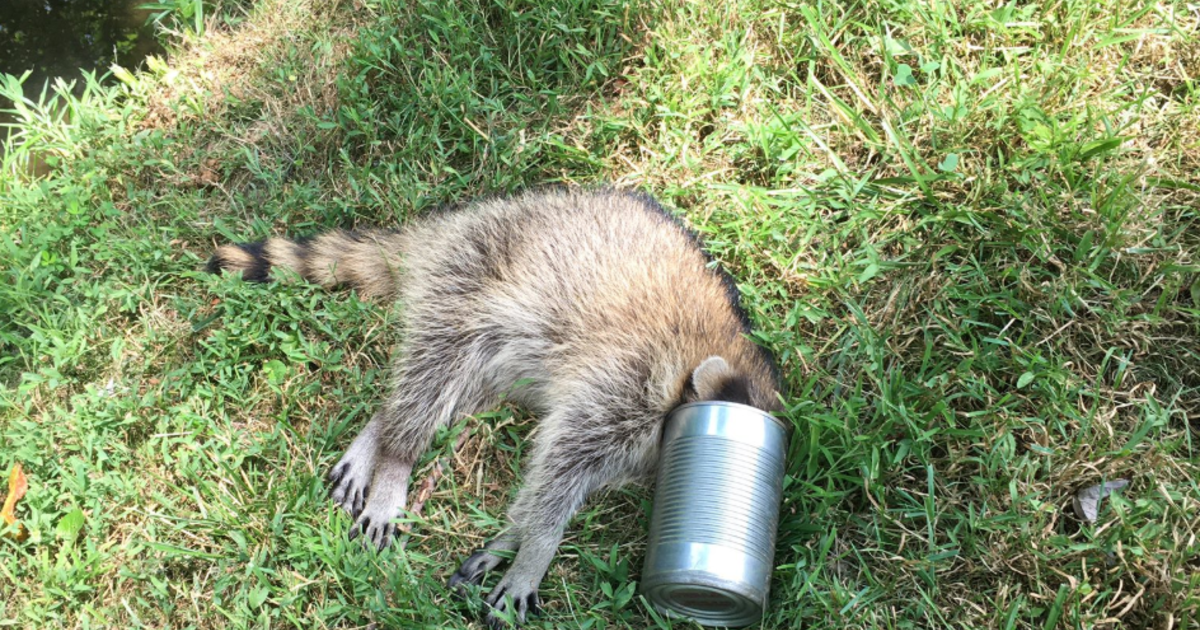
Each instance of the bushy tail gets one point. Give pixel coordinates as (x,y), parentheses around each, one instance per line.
(367,261)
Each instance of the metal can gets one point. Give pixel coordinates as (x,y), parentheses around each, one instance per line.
(716,510)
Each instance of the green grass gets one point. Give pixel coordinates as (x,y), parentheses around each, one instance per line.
(969,233)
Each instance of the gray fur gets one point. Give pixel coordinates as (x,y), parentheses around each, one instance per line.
(604,308)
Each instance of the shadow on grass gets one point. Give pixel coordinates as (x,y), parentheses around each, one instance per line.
(406,106)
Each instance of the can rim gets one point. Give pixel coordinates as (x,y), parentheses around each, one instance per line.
(751,605)
(725,403)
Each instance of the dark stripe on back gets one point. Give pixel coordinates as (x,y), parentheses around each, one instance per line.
(731,291)
(727,283)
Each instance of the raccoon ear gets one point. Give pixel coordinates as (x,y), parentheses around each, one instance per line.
(710,377)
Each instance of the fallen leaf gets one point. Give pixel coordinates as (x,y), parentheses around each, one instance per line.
(420,494)
(209,175)
(462,439)
(17,485)
(424,490)
(1087,500)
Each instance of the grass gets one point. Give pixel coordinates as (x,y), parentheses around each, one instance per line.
(969,233)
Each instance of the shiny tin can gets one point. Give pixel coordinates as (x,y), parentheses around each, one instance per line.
(716,508)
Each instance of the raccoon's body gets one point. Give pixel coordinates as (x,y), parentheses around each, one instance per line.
(595,310)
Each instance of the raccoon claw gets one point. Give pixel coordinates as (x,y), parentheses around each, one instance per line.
(472,570)
(524,604)
(335,476)
(379,534)
(350,480)
(348,494)
(459,581)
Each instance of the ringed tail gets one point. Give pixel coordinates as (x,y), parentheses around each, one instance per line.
(368,261)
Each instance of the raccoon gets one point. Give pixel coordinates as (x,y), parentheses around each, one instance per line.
(596,310)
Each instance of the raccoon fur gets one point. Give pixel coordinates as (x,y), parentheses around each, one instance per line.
(595,310)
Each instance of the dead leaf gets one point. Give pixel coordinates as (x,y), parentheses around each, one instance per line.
(209,174)
(1087,500)
(425,489)
(420,494)
(17,485)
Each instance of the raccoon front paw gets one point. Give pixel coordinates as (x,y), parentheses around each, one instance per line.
(349,484)
(523,600)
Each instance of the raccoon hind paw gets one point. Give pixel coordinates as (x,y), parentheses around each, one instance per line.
(473,570)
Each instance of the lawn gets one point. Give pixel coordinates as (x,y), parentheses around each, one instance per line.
(969,232)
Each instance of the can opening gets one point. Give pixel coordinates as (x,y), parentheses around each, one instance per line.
(708,605)
(702,601)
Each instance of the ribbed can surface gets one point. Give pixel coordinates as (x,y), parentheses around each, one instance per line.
(716,508)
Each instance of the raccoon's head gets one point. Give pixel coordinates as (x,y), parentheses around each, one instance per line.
(716,379)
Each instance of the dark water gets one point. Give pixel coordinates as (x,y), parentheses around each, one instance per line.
(58,38)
